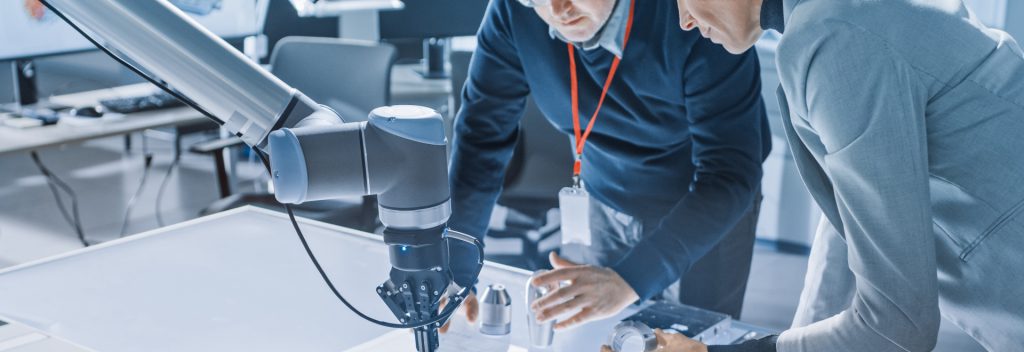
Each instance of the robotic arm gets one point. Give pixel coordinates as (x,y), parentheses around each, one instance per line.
(398,154)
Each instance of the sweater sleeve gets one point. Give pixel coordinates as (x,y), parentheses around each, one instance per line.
(729,130)
(485,132)
(862,107)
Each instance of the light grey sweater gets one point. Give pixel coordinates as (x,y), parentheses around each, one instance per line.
(906,118)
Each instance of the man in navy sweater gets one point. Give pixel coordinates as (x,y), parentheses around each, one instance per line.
(672,165)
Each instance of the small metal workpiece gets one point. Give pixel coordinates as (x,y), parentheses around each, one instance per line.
(495,311)
(541,334)
(633,336)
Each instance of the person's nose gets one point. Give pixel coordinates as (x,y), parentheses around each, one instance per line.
(561,8)
(687,22)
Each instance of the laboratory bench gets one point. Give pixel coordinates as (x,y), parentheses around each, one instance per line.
(234,281)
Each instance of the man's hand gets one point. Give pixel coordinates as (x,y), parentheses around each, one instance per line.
(470,305)
(596,292)
(672,342)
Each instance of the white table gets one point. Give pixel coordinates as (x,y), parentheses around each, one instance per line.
(233,281)
(13,140)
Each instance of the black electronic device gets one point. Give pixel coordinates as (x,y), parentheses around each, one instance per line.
(25,90)
(433,22)
(88,112)
(155,101)
(433,19)
(47,116)
(695,323)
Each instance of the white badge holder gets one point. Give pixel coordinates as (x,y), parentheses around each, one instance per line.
(574,205)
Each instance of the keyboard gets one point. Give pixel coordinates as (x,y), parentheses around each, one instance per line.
(155,101)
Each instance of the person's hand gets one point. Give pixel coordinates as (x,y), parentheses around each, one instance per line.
(672,342)
(470,306)
(596,292)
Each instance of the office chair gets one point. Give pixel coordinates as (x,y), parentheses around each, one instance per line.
(533,178)
(351,77)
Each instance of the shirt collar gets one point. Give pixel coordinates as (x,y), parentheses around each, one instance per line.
(772,15)
(610,37)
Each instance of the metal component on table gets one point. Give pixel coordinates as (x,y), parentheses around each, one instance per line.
(698,324)
(541,334)
(495,311)
(633,336)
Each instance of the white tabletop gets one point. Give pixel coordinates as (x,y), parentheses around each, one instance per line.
(234,281)
(14,140)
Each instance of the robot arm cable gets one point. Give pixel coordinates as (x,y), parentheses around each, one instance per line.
(456,299)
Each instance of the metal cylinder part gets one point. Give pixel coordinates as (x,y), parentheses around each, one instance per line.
(633,336)
(495,311)
(541,334)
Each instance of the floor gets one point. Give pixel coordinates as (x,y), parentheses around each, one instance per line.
(104,177)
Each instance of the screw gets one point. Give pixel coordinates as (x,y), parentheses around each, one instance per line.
(435,293)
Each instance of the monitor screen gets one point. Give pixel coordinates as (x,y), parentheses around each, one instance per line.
(433,18)
(28,30)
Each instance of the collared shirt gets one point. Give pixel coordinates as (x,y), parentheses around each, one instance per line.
(610,37)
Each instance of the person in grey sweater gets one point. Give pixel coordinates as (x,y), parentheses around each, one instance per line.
(906,120)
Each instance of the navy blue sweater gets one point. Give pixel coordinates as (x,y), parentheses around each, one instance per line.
(678,144)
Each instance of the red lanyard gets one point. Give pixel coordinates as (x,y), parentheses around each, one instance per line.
(581,139)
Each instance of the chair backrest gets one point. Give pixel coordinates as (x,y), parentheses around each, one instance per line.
(352,77)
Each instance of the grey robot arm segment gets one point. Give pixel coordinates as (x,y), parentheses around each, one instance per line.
(399,154)
(249,101)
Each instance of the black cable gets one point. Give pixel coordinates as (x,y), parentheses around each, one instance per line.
(74,220)
(138,191)
(163,187)
(162,85)
(56,196)
(443,316)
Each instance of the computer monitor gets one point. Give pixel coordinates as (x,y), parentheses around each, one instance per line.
(422,19)
(433,21)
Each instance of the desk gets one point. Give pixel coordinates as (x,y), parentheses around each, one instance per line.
(407,88)
(233,281)
(22,140)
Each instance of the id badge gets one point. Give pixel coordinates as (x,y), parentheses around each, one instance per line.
(574,204)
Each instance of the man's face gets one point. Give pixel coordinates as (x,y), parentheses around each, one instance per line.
(577,20)
(734,24)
